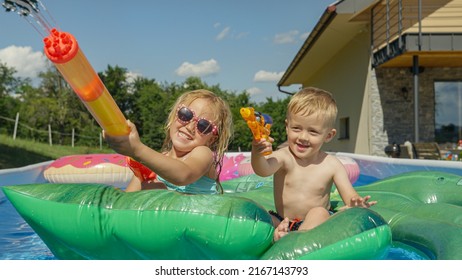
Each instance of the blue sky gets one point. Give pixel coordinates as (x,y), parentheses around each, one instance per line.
(238,44)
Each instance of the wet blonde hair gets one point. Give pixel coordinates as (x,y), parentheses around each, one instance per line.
(222,118)
(311,100)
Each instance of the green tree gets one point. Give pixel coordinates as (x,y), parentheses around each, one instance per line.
(59,97)
(54,103)
(9,105)
(277,111)
(35,112)
(8,83)
(116,81)
(150,111)
(242,140)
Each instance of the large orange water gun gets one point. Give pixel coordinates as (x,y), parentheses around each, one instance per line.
(63,50)
(259,123)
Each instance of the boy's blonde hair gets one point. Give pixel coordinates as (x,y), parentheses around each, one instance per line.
(222,119)
(311,100)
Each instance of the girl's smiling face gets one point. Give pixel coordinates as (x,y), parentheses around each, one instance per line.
(185,136)
(307,134)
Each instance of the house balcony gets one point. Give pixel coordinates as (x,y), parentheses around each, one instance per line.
(429,29)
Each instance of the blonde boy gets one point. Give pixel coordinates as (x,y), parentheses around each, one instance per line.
(303,173)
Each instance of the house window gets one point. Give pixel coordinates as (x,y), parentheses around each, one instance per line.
(448,111)
(344,132)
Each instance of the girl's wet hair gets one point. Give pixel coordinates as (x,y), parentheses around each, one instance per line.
(222,118)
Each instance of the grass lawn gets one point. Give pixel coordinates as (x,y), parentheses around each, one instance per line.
(19,152)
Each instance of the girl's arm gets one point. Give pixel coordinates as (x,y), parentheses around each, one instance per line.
(134,185)
(177,171)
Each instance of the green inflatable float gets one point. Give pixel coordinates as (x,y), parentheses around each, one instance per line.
(420,210)
(423,209)
(93,221)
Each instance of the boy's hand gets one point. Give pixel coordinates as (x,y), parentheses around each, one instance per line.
(281,230)
(263,146)
(358,201)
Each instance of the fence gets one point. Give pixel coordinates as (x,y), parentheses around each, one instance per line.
(42,135)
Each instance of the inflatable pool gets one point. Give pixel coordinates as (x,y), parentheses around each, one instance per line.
(418,215)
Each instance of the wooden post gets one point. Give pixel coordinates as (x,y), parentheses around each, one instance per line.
(49,135)
(16,126)
(73,133)
(416,70)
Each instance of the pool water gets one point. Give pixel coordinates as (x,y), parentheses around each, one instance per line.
(18,241)
(400,251)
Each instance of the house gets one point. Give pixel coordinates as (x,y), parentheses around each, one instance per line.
(394,67)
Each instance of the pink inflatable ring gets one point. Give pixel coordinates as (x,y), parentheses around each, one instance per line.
(245,167)
(91,168)
(351,167)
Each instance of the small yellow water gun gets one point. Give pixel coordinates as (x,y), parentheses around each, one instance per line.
(259,123)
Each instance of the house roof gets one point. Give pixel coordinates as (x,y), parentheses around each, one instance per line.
(343,20)
(339,23)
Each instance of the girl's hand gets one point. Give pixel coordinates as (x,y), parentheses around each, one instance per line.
(125,144)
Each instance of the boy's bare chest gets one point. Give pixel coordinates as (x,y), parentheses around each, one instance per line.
(312,177)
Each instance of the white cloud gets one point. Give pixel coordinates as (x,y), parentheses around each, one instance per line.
(242,35)
(131,76)
(24,60)
(223,33)
(202,69)
(254,91)
(227,33)
(265,76)
(305,35)
(289,37)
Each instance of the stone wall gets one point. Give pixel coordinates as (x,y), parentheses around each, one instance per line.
(392,104)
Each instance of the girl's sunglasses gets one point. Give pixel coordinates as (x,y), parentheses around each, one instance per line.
(186,115)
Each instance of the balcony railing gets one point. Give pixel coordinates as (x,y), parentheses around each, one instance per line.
(392,20)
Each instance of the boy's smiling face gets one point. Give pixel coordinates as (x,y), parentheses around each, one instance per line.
(307,134)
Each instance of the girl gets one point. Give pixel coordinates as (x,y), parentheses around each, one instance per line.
(198,131)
